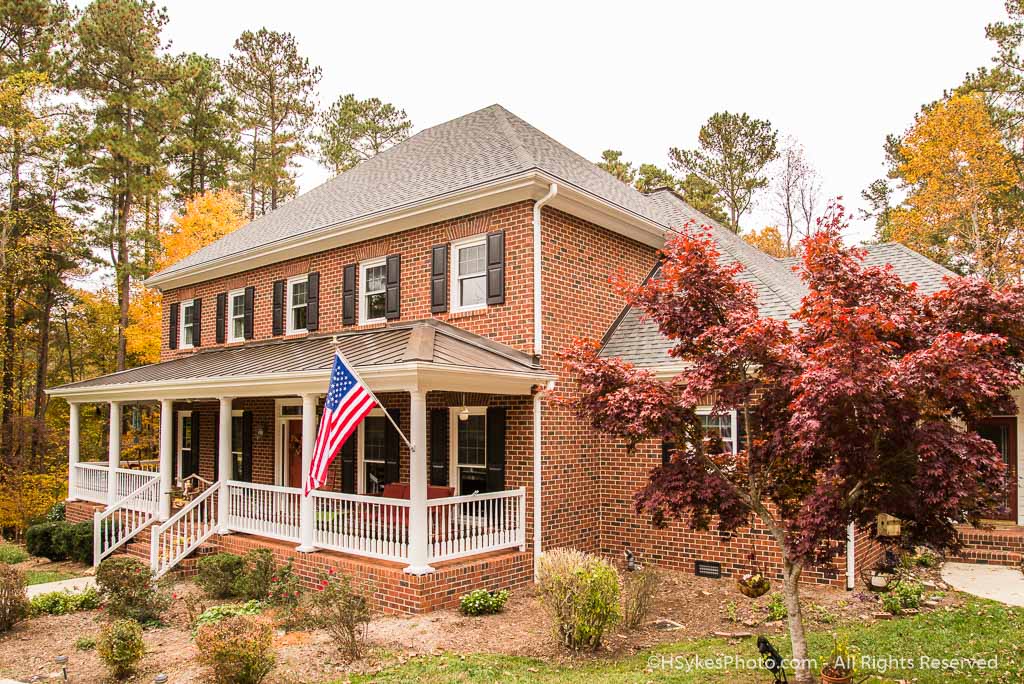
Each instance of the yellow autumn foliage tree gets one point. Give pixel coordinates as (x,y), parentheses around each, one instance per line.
(960,208)
(206,218)
(769,241)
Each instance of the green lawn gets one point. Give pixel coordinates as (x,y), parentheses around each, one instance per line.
(43,576)
(980,629)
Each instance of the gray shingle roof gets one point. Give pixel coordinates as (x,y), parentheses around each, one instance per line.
(427,341)
(641,343)
(483,146)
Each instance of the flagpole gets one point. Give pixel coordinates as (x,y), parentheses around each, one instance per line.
(337,350)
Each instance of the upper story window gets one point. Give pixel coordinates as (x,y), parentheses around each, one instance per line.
(188,324)
(236,316)
(298,290)
(724,426)
(373,277)
(469,273)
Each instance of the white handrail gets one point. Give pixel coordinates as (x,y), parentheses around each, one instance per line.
(264,510)
(90,483)
(183,532)
(373,526)
(129,480)
(460,526)
(124,519)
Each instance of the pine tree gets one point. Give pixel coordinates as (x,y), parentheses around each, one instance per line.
(352,131)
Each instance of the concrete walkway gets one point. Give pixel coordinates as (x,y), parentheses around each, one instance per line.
(73,585)
(995,582)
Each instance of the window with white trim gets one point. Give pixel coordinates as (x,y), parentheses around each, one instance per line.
(236,316)
(298,288)
(375,465)
(723,425)
(469,449)
(184,443)
(469,273)
(188,323)
(237,464)
(373,276)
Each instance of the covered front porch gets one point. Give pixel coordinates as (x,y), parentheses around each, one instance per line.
(237,430)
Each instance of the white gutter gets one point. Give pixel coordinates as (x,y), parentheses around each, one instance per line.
(537,475)
(537,253)
(851,561)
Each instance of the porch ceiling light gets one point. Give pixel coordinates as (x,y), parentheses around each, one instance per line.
(464,412)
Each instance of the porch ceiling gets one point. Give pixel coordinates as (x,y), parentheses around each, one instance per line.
(426,355)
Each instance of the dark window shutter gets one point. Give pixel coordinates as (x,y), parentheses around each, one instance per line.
(439,447)
(246,474)
(216,446)
(194,461)
(496,267)
(278,314)
(391,446)
(250,311)
(174,447)
(172,330)
(313,301)
(197,322)
(439,279)
(496,449)
(348,466)
(348,295)
(222,309)
(667,448)
(393,288)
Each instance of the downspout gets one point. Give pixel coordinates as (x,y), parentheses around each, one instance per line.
(851,562)
(537,255)
(537,403)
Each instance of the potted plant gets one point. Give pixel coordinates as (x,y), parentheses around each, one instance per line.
(755,583)
(841,663)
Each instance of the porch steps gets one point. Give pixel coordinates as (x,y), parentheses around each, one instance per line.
(993,546)
(139,547)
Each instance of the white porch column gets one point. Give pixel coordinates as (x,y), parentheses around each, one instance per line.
(306,513)
(224,463)
(418,484)
(114,456)
(166,456)
(73,449)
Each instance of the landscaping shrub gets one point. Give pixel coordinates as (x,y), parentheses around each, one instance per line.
(237,649)
(64,602)
(13,603)
(905,595)
(12,555)
(74,541)
(126,585)
(57,512)
(217,613)
(218,574)
(40,540)
(483,602)
(258,570)
(581,594)
(120,647)
(776,608)
(638,590)
(341,609)
(285,589)
(85,643)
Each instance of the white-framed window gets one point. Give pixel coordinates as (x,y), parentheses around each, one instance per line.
(184,443)
(237,465)
(188,324)
(469,449)
(236,315)
(373,466)
(373,277)
(298,288)
(469,273)
(724,425)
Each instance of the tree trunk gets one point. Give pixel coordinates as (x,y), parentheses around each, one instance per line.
(7,381)
(791,593)
(42,364)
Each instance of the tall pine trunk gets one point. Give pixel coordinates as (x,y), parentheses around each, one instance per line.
(42,365)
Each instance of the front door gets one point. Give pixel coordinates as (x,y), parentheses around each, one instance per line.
(1003,433)
(293,451)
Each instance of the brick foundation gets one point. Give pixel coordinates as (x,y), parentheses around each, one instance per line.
(994,546)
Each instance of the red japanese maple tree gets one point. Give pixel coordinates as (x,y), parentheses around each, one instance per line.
(860,404)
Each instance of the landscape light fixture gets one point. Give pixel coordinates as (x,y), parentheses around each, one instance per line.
(62,663)
(160,679)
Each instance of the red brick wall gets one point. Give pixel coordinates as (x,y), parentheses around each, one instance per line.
(510,323)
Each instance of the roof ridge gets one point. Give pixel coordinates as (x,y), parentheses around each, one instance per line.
(518,146)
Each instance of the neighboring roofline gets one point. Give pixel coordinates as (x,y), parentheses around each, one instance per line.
(625,309)
(529,185)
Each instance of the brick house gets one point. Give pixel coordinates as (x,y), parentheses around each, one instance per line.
(449,270)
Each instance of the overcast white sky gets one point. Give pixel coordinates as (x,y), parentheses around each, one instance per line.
(637,77)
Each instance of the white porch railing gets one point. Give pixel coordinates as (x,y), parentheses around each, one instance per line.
(184,531)
(461,526)
(130,480)
(365,525)
(124,518)
(90,482)
(264,510)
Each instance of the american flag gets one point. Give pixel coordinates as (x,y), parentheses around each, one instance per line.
(348,401)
